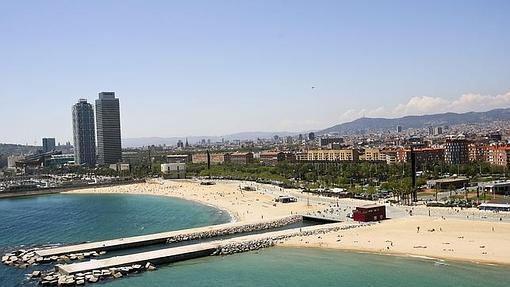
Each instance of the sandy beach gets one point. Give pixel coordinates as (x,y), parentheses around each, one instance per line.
(453,239)
(443,235)
(226,195)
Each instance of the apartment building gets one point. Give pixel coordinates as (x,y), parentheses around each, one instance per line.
(333,155)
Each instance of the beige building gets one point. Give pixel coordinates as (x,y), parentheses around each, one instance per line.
(301,156)
(216,158)
(372,154)
(174,170)
(333,155)
(498,155)
(120,166)
(389,155)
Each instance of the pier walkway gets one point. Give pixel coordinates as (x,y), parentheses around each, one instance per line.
(143,240)
(175,254)
(156,257)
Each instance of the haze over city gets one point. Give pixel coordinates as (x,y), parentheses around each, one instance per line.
(219,67)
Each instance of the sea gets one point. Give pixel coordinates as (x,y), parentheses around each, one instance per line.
(74,218)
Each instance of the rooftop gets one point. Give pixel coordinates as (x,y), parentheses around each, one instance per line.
(371,206)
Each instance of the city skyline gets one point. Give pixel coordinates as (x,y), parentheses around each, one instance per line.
(269,134)
(217,62)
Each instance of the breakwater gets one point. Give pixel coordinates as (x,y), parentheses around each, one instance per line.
(236,229)
(24,258)
(118,267)
(245,246)
(76,268)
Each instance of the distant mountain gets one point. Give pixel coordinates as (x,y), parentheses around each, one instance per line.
(146,141)
(364,125)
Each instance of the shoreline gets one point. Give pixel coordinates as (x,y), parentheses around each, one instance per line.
(437,259)
(244,206)
(57,190)
(233,218)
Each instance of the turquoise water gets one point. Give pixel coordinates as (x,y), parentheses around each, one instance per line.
(78,218)
(56,218)
(317,267)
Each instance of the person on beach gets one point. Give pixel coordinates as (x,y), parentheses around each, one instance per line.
(417,229)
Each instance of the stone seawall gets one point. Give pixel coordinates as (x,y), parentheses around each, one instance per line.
(238,247)
(236,229)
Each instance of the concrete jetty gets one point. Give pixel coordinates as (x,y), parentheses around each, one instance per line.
(163,237)
(157,257)
(218,247)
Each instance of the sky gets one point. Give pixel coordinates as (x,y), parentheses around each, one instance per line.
(183,68)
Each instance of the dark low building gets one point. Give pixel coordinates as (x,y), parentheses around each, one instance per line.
(331,141)
(271,157)
(286,199)
(241,158)
(176,158)
(448,183)
(368,213)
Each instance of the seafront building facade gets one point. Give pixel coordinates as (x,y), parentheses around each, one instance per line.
(84,134)
(109,149)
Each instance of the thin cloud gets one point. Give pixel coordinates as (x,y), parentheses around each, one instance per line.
(432,105)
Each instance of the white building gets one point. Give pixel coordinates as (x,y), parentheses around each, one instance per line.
(12,159)
(495,187)
(120,166)
(174,170)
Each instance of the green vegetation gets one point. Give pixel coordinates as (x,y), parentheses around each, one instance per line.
(365,178)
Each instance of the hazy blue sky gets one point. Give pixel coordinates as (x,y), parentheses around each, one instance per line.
(216,67)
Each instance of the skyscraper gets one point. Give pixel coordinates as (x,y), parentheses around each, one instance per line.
(84,134)
(109,148)
(48,144)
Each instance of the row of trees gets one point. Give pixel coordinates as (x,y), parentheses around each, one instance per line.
(357,177)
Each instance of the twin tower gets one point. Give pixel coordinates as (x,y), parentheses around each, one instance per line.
(109,150)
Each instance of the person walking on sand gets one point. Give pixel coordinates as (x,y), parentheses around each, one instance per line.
(417,229)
